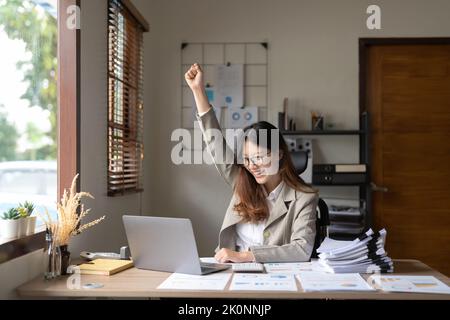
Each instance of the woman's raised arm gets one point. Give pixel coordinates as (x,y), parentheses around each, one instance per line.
(194,79)
(222,155)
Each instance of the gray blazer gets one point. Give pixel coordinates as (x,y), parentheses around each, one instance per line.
(290,229)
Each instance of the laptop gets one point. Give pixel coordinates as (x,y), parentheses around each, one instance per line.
(165,244)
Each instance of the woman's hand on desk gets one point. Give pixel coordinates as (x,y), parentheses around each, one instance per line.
(227,255)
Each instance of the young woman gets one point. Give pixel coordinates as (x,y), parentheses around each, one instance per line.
(272,214)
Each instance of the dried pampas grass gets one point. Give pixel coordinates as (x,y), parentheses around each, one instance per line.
(68,222)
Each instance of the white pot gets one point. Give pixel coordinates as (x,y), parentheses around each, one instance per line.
(31,225)
(9,228)
(23,226)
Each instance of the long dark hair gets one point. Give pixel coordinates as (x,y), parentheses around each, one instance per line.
(252,206)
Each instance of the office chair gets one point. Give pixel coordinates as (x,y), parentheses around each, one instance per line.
(300,161)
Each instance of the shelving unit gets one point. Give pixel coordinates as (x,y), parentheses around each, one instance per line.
(365,196)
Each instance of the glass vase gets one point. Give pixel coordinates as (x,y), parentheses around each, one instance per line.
(52,257)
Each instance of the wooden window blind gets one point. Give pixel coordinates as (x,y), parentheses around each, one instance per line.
(125,98)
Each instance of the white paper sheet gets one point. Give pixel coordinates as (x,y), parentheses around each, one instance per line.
(318,281)
(329,244)
(293,267)
(242,117)
(422,284)
(180,281)
(230,86)
(263,282)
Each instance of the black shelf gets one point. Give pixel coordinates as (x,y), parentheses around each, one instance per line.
(365,192)
(322,132)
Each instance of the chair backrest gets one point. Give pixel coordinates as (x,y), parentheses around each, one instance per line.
(322,223)
(300,161)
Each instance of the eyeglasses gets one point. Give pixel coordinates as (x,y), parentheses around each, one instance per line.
(257,160)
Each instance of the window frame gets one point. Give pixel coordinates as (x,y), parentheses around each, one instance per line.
(68,91)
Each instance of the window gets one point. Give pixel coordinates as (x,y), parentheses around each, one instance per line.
(39,152)
(125,98)
(28,104)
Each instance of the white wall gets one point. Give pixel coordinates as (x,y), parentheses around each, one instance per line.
(109,234)
(313,60)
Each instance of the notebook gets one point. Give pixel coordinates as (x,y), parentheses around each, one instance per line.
(105,267)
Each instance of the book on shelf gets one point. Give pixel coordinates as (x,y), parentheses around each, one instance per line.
(339,168)
(339,178)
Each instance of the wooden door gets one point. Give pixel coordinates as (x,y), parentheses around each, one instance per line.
(407,93)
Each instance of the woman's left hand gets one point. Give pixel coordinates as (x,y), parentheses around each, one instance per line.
(227,255)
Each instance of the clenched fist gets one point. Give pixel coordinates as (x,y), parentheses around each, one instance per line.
(194,77)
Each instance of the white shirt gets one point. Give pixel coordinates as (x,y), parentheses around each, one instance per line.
(251,234)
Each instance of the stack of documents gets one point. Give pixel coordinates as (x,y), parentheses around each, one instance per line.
(346,218)
(365,254)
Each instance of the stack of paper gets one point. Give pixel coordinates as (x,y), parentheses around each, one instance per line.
(365,254)
(346,217)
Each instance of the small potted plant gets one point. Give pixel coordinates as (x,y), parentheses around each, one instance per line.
(10,223)
(26,210)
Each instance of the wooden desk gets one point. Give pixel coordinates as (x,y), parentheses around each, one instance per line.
(137,283)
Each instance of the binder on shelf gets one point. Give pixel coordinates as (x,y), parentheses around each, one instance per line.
(345,228)
(343,210)
(339,178)
(340,168)
(345,213)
